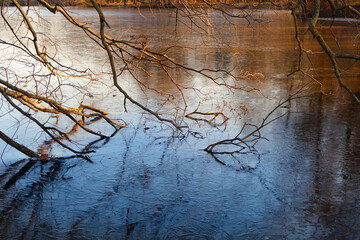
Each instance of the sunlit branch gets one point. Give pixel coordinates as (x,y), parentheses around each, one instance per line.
(28,99)
(37,122)
(214,115)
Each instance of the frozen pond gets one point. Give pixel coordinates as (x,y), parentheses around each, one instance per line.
(150,182)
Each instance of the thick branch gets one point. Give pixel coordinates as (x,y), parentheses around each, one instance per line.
(28,152)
